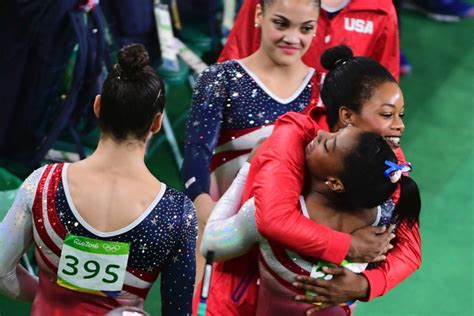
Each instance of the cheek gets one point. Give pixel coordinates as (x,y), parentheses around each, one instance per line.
(272,35)
(314,164)
(374,124)
(306,40)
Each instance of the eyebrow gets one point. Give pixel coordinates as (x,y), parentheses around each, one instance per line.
(388,104)
(287,20)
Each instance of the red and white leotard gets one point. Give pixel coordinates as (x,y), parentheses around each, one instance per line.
(162,242)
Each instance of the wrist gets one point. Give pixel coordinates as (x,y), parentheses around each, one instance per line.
(363,288)
(351,252)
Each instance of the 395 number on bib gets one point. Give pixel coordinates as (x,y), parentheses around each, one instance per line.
(92,265)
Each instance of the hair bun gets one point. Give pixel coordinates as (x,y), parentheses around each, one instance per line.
(335,56)
(133,58)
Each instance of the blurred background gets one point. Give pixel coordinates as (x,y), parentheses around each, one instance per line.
(55,56)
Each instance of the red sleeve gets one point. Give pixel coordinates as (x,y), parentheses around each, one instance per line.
(277,186)
(387,49)
(244,38)
(402,260)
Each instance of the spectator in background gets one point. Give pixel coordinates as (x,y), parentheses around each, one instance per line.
(443,10)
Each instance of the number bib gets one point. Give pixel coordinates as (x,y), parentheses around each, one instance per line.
(92,266)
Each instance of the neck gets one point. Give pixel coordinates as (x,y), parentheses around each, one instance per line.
(319,198)
(122,156)
(323,209)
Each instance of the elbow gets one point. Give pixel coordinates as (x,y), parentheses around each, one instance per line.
(264,224)
(207,244)
(267,231)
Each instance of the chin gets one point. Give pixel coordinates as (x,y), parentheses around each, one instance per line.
(286,60)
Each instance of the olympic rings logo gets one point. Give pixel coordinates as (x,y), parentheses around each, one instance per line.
(111,248)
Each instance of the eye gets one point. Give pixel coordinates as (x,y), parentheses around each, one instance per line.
(386,114)
(307,29)
(402,114)
(326,145)
(280,23)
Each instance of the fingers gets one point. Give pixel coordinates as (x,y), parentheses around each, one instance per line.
(309,280)
(318,308)
(391,228)
(379,229)
(379,258)
(311,288)
(334,270)
(311,299)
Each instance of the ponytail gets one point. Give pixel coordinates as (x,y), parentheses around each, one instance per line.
(409,205)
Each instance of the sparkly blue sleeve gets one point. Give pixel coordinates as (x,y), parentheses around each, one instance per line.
(178,276)
(203,129)
(16,235)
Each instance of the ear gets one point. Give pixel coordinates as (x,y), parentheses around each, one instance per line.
(335,185)
(258,15)
(97,105)
(156,125)
(346,116)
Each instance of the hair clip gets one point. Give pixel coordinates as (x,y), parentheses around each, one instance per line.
(157,97)
(340,62)
(395,171)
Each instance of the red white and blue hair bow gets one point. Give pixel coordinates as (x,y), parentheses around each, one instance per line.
(395,171)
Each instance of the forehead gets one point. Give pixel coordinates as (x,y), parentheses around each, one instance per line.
(297,9)
(384,94)
(347,138)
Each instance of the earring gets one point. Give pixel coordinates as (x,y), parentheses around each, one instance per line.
(257,25)
(350,124)
(326,183)
(314,35)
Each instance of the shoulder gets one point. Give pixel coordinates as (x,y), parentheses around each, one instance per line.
(178,200)
(218,69)
(216,76)
(35,177)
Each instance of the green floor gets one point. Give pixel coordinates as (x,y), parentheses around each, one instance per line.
(438,142)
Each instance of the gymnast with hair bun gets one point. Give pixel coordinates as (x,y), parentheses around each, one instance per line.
(104,228)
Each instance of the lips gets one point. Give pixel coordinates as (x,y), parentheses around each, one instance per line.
(289,50)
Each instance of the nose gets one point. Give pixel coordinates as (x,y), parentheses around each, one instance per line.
(322,135)
(291,37)
(398,124)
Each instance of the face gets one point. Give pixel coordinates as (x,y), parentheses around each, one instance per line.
(383,114)
(287,28)
(325,154)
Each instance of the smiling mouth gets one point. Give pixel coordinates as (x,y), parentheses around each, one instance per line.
(394,141)
(288,49)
